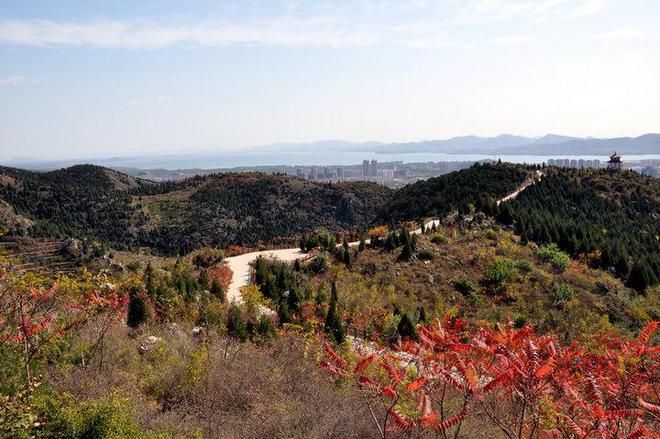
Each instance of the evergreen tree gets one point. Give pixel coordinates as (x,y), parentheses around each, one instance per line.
(347,257)
(203,280)
(236,325)
(406,328)
(406,253)
(217,290)
(640,276)
(137,309)
(294,299)
(362,245)
(150,280)
(333,323)
(505,216)
(265,327)
(283,313)
(422,315)
(270,289)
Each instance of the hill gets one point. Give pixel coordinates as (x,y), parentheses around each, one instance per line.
(247,208)
(612,218)
(476,186)
(92,202)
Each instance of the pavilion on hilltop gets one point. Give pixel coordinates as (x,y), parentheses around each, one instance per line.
(614,163)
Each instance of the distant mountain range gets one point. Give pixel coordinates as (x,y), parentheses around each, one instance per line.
(505,144)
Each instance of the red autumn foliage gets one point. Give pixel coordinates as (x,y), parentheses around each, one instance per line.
(526,385)
(32,317)
(221,272)
(236,250)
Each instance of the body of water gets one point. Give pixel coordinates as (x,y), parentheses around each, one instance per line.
(323,158)
(236,159)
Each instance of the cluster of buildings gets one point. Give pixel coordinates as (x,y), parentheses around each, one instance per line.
(649,167)
(368,172)
(574,163)
(392,174)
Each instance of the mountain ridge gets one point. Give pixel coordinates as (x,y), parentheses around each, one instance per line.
(549,144)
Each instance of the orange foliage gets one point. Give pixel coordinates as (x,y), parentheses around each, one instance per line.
(222,273)
(236,250)
(378,231)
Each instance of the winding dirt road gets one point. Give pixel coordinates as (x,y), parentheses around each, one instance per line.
(240,265)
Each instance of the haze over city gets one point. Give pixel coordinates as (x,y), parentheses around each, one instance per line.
(88,79)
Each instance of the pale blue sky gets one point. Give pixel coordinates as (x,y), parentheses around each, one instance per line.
(97,78)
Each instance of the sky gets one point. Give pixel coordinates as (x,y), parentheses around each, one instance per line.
(95,78)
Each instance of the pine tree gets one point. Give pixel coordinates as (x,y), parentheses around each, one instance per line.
(203,280)
(150,280)
(283,312)
(236,325)
(640,276)
(362,245)
(270,289)
(333,323)
(406,328)
(347,257)
(217,290)
(294,299)
(422,315)
(137,310)
(406,253)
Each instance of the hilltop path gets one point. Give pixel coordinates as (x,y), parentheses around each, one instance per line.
(240,265)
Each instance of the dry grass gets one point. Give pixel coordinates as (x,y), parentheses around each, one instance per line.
(223,389)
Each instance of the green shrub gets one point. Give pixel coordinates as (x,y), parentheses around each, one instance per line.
(112,416)
(501,270)
(426,255)
(524,266)
(440,238)
(490,234)
(464,286)
(561,293)
(557,258)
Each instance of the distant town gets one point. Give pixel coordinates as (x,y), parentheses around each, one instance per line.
(392,174)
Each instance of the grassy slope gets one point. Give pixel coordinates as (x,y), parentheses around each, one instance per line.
(376,282)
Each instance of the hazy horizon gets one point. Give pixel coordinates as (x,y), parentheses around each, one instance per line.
(98,79)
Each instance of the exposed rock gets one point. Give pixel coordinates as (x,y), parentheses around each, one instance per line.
(149,343)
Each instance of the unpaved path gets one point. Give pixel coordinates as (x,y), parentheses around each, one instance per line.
(527,183)
(240,265)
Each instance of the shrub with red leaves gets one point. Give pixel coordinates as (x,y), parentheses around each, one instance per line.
(526,385)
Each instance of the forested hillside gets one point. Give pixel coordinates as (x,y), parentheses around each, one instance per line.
(476,186)
(94,202)
(247,208)
(611,218)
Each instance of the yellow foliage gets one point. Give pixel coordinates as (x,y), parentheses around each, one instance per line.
(378,231)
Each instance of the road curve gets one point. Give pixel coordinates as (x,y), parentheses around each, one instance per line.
(240,265)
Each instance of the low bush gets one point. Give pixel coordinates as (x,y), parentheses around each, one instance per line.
(426,255)
(557,258)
